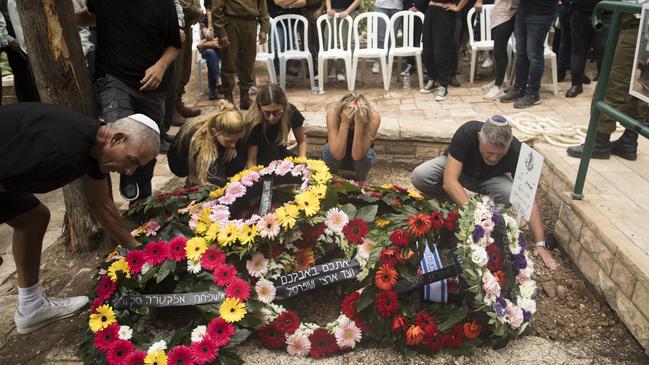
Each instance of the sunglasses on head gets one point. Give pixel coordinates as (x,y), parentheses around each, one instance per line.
(272,113)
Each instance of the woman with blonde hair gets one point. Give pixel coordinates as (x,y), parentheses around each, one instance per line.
(209,150)
(352,124)
(269,121)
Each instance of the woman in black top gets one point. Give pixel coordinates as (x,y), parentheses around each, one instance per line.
(269,122)
(209,150)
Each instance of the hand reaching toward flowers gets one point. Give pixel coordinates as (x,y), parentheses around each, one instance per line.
(547,258)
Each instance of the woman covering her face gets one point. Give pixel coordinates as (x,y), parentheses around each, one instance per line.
(209,150)
(352,124)
(270,120)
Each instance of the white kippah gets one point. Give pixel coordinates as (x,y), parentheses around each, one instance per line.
(146,121)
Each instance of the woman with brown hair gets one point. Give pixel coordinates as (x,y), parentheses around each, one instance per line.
(269,122)
(352,124)
(209,150)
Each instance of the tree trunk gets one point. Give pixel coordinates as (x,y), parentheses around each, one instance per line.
(62,77)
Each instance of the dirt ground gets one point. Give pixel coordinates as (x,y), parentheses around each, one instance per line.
(571,326)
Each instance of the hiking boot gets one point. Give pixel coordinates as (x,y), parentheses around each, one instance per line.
(177,120)
(626,146)
(442,93)
(512,94)
(51,310)
(527,101)
(601,148)
(184,110)
(244,100)
(429,87)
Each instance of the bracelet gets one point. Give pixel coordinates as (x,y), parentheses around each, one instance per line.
(540,244)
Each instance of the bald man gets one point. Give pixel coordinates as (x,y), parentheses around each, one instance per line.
(43,148)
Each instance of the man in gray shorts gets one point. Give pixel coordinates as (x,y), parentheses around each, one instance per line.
(478,159)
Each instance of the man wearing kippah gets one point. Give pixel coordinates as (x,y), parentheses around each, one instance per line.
(43,148)
(480,156)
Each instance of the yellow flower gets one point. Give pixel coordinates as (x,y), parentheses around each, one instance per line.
(115,267)
(204,221)
(322,177)
(114,252)
(380,222)
(228,235)
(248,234)
(215,194)
(297,160)
(256,168)
(308,202)
(236,178)
(213,231)
(319,190)
(232,310)
(157,357)
(286,215)
(415,194)
(102,318)
(386,186)
(195,247)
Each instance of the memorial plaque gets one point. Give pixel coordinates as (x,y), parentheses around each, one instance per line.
(528,172)
(167,300)
(298,282)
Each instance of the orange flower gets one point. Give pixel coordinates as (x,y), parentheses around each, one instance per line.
(403,258)
(472,330)
(386,278)
(501,277)
(414,335)
(305,258)
(419,224)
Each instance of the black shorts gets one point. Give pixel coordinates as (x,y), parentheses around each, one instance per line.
(15,204)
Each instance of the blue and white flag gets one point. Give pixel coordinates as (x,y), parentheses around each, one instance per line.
(437,291)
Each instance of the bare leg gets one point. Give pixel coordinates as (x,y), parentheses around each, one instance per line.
(29,229)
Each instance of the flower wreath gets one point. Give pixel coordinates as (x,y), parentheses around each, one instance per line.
(502,290)
(160,260)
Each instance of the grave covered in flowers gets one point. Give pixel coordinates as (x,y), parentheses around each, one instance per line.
(220,266)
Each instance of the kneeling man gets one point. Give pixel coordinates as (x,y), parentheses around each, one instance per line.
(43,148)
(479,156)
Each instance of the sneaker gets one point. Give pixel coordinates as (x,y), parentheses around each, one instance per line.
(252,90)
(375,68)
(51,310)
(512,94)
(487,63)
(454,82)
(488,86)
(527,101)
(340,76)
(442,93)
(409,70)
(494,93)
(128,188)
(429,87)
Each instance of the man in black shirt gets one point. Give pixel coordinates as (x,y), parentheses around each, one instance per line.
(43,148)
(479,156)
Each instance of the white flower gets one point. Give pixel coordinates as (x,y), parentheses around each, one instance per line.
(226,199)
(194,267)
(514,247)
(347,335)
(336,220)
(527,289)
(525,274)
(125,333)
(160,345)
(511,222)
(366,248)
(527,304)
(490,284)
(479,255)
(198,333)
(257,266)
(265,291)
(298,344)
(146,267)
(268,226)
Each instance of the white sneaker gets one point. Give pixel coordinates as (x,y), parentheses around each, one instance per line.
(50,311)
(494,93)
(487,63)
(428,88)
(375,68)
(442,93)
(340,76)
(488,86)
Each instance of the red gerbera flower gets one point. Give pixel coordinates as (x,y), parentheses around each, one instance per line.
(495,262)
(97,302)
(271,336)
(118,352)
(389,257)
(451,220)
(419,224)
(310,234)
(386,303)
(427,323)
(287,322)
(156,253)
(399,324)
(355,230)
(220,331)
(212,258)
(399,189)
(238,288)
(104,339)
(435,342)
(177,249)
(349,304)
(374,194)
(223,274)
(180,355)
(135,261)
(106,288)
(205,351)
(437,220)
(456,337)
(400,238)
(323,343)
(135,358)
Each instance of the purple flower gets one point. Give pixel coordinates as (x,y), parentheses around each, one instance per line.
(495,217)
(521,242)
(518,261)
(499,306)
(478,232)
(526,316)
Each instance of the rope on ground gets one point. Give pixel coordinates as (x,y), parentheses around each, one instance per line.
(553,132)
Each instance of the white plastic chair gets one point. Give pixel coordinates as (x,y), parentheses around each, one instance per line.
(485,43)
(196,39)
(333,46)
(288,46)
(267,57)
(407,47)
(371,49)
(547,54)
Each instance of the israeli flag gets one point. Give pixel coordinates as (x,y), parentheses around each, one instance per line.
(437,291)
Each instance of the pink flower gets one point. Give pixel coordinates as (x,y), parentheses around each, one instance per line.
(524,274)
(284,167)
(490,284)
(180,355)
(220,331)
(238,288)
(298,344)
(223,274)
(152,228)
(136,358)
(104,339)
(119,351)
(204,351)
(156,253)
(513,315)
(235,189)
(212,258)
(347,335)
(135,261)
(106,288)
(220,213)
(177,248)
(268,226)
(226,199)
(250,178)
(257,266)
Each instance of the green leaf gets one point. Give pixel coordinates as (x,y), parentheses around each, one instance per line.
(227,357)
(241,335)
(149,274)
(165,269)
(367,298)
(455,316)
(367,213)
